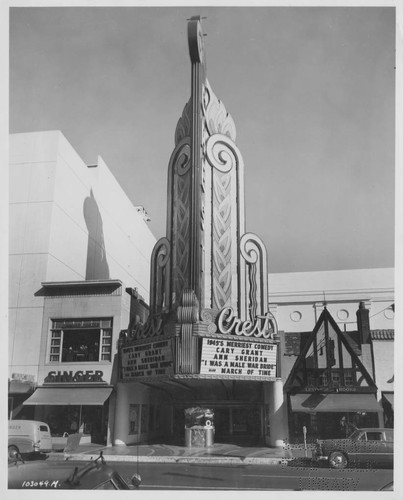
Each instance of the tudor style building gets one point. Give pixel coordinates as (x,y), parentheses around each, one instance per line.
(329,389)
(210,340)
(348,375)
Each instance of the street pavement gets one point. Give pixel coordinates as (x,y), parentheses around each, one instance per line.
(166,453)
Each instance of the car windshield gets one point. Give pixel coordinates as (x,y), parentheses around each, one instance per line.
(119,482)
(355,435)
(108,485)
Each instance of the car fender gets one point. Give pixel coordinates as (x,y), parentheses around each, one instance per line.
(25,445)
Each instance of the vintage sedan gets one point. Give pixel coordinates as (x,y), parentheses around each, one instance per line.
(63,475)
(364,447)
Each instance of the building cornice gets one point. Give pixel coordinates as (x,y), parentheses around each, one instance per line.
(343,295)
(81,284)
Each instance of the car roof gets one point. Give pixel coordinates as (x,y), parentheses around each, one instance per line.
(373,429)
(68,474)
(19,422)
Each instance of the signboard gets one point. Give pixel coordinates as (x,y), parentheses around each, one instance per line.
(238,359)
(79,376)
(23,377)
(263,326)
(147,360)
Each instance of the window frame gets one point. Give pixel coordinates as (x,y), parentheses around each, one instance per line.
(60,325)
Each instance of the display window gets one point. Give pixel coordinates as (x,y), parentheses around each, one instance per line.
(88,420)
(81,340)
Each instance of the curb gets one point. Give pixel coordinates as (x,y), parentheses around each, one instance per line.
(176,459)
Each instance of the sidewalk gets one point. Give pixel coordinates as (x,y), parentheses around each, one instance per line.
(164,453)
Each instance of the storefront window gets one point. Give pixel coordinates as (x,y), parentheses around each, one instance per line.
(90,420)
(335,376)
(348,377)
(134,419)
(80,340)
(323,379)
(338,378)
(311,379)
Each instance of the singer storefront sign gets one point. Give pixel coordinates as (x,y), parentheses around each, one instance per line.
(238,359)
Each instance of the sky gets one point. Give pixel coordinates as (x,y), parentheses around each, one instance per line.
(311,91)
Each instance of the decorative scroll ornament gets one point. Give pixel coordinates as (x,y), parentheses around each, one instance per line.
(158,286)
(208,319)
(221,153)
(253,251)
(221,241)
(182,228)
(218,121)
(179,184)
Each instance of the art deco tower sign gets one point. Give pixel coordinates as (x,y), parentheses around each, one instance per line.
(208,277)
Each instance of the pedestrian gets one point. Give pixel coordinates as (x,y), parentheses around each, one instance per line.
(343,426)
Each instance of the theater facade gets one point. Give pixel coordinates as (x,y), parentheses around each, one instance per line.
(209,341)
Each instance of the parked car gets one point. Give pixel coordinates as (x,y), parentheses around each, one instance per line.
(364,446)
(28,436)
(63,475)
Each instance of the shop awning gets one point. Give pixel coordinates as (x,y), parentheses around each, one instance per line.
(61,396)
(20,387)
(317,402)
(389,398)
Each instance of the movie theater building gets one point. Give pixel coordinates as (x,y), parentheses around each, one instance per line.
(210,341)
(72,257)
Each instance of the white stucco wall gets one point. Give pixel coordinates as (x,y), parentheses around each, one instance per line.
(49,185)
(296,299)
(384,361)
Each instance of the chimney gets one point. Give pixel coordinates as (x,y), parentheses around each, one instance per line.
(363,324)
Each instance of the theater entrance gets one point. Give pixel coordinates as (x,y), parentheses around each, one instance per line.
(240,414)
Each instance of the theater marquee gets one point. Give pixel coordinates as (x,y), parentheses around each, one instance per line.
(147,360)
(238,359)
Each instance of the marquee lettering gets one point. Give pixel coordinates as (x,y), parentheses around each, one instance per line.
(263,326)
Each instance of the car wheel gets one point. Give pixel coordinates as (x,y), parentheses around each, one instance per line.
(13,452)
(337,460)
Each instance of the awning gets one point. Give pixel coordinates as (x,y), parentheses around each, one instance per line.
(20,387)
(61,396)
(319,402)
(389,396)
